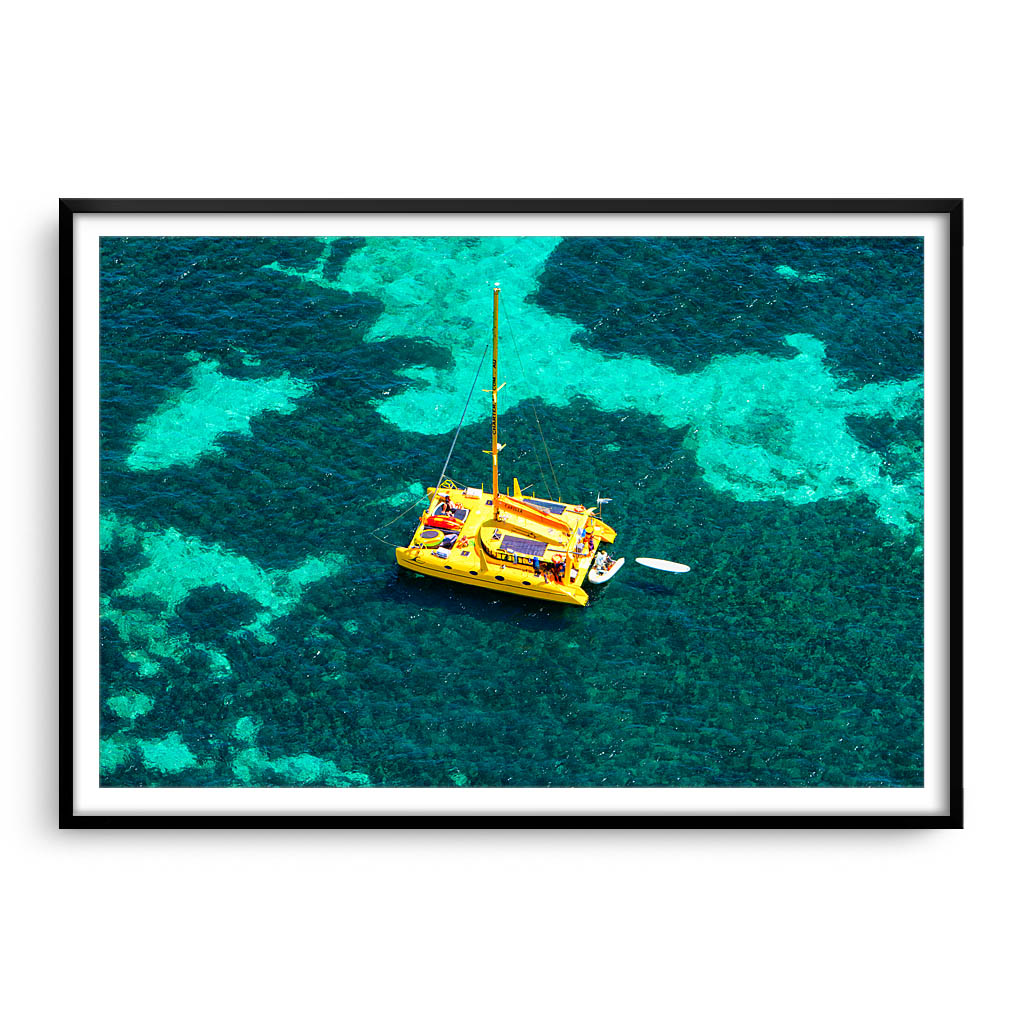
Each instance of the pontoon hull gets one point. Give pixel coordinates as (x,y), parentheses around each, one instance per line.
(515,581)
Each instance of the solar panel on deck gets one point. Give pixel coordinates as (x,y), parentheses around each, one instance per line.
(546,506)
(522,546)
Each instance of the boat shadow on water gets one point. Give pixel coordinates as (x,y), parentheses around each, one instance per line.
(647,587)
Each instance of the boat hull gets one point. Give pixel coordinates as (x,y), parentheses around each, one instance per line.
(513,581)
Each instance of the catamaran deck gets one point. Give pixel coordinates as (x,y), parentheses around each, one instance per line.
(497,554)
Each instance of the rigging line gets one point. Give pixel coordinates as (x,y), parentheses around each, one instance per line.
(418,501)
(536,461)
(533,408)
(462,419)
(540,468)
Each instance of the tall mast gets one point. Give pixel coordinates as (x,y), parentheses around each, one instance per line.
(494,407)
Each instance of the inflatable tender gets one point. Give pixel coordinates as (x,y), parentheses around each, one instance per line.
(605,574)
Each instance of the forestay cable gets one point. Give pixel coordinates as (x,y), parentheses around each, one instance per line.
(419,501)
(533,408)
(462,419)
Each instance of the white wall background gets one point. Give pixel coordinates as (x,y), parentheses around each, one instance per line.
(459,99)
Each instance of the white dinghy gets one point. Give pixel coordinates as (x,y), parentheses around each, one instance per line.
(605,574)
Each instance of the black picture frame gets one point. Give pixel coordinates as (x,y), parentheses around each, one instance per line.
(952,815)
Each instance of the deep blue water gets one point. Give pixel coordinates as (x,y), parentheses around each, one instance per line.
(256,631)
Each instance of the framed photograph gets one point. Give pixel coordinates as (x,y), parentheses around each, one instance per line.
(504,513)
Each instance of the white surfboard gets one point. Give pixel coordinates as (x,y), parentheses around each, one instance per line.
(597,576)
(660,563)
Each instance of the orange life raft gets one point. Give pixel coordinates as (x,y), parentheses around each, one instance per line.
(444,522)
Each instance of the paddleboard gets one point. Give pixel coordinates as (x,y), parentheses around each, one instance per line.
(660,563)
(596,576)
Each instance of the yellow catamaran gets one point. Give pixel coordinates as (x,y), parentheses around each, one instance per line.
(516,544)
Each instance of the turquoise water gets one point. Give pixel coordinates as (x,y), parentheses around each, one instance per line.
(753,407)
